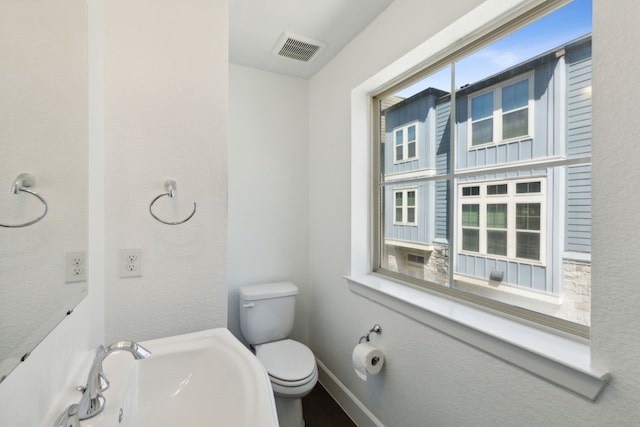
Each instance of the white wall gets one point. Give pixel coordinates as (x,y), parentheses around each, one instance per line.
(268,196)
(429,378)
(166,105)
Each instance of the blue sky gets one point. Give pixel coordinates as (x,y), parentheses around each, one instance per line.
(553,30)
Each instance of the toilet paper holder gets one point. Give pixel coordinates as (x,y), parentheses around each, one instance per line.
(366,338)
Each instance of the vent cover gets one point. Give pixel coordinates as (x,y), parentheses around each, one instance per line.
(297,47)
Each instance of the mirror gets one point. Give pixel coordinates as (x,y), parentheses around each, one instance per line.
(43,131)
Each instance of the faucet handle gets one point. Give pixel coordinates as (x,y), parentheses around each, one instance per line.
(69,418)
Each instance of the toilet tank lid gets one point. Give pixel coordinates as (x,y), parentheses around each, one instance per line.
(268,290)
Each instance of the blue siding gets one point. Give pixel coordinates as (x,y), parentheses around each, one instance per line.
(578,216)
(443,193)
(515,273)
(579,101)
(578,178)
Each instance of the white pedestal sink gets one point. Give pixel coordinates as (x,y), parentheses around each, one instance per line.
(205,378)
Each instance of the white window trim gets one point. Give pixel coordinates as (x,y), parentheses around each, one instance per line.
(555,357)
(558,359)
(510,199)
(405,143)
(497,112)
(405,207)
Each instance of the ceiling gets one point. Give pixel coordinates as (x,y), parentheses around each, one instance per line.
(257,25)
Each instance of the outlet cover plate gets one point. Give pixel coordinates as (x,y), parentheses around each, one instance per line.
(131,262)
(75,266)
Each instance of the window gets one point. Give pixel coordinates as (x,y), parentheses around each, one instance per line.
(404,139)
(405,207)
(415,259)
(504,221)
(500,200)
(508,106)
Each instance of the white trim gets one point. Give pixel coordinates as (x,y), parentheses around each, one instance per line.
(419,173)
(577,256)
(348,401)
(563,360)
(498,114)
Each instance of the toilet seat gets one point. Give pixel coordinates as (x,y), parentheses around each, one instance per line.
(288,362)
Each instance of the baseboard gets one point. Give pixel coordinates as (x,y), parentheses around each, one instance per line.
(347,400)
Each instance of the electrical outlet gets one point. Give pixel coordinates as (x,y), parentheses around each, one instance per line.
(75,266)
(131,263)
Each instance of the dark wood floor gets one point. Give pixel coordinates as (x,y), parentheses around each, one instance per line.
(320,410)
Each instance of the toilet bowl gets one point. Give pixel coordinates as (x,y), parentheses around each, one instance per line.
(291,367)
(266,319)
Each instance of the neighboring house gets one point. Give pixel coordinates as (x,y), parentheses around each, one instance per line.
(528,229)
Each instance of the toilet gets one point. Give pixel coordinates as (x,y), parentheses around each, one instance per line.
(267,313)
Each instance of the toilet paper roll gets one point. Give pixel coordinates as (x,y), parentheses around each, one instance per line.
(367,360)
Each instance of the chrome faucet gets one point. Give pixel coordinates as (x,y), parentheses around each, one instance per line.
(92,401)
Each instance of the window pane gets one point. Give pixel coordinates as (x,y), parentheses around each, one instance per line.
(497,216)
(482,106)
(528,216)
(411,133)
(470,191)
(497,242)
(528,187)
(399,145)
(415,258)
(399,239)
(399,152)
(399,198)
(515,124)
(411,150)
(470,215)
(528,245)
(497,189)
(471,240)
(482,132)
(411,198)
(496,220)
(399,137)
(515,95)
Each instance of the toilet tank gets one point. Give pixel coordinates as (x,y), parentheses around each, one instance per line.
(267,311)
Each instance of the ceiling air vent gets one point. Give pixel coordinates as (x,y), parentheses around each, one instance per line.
(297,47)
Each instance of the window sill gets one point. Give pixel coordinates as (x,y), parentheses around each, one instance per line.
(561,360)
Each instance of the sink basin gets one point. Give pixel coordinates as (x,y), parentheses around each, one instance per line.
(205,378)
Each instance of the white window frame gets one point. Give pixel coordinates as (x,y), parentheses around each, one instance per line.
(498,113)
(405,143)
(405,206)
(511,199)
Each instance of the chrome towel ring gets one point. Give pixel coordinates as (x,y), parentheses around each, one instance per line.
(21,183)
(170,188)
